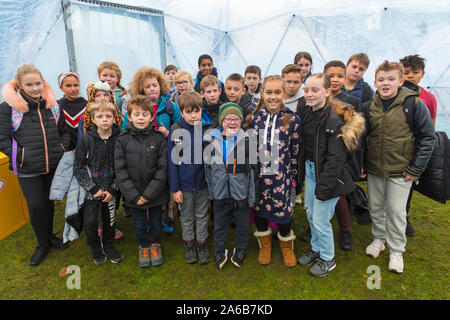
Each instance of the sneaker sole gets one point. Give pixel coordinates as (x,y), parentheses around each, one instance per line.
(98,263)
(223,263)
(144,265)
(116,260)
(305,265)
(395,271)
(323,275)
(157,263)
(235,263)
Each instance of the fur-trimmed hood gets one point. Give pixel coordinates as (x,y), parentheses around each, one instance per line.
(11,95)
(353,128)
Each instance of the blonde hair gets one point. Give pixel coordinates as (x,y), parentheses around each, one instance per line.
(26,69)
(114,67)
(390,66)
(287,118)
(209,80)
(184,73)
(137,84)
(102,106)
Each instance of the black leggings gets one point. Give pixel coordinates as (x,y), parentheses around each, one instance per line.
(263,224)
(36,191)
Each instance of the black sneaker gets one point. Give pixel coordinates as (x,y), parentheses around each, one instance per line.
(57,243)
(190,253)
(322,267)
(346,240)
(364,218)
(203,253)
(98,255)
(308,258)
(238,257)
(306,236)
(410,232)
(221,259)
(38,255)
(114,255)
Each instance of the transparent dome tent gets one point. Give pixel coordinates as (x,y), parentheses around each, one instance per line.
(79,34)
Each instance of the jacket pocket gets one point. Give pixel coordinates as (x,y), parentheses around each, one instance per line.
(408,150)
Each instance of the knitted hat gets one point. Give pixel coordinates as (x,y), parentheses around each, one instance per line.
(91,90)
(229,108)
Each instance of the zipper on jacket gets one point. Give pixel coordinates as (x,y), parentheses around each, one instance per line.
(45,139)
(23,156)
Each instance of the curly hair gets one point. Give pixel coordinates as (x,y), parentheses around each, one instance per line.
(137,84)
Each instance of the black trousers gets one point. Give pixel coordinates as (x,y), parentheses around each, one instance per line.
(223,211)
(263,224)
(91,211)
(36,191)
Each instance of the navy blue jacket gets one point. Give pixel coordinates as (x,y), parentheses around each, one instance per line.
(186,176)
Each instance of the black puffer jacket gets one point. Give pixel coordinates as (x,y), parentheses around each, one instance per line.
(94,161)
(140,161)
(40,141)
(334,139)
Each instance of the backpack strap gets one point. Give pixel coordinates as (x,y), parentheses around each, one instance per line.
(365,94)
(409,109)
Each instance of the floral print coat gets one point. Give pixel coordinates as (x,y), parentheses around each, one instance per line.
(279,143)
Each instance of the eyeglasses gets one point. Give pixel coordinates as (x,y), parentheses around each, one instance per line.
(232,120)
(179,83)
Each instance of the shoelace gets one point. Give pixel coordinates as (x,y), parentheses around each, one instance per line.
(155,248)
(145,252)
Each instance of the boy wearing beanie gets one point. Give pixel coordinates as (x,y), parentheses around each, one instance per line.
(230,179)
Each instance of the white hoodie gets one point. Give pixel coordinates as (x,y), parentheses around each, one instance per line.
(292,102)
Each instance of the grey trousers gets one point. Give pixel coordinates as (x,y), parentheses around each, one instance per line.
(194,207)
(387,207)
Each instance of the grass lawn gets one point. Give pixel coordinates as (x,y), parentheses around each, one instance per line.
(426,275)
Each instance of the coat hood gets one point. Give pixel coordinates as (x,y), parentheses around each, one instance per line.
(11,95)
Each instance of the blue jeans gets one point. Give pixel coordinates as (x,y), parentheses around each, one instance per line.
(319,215)
(140,222)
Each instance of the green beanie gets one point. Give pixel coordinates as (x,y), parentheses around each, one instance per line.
(230,108)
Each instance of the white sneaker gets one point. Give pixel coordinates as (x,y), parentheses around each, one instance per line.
(396,262)
(298,199)
(373,250)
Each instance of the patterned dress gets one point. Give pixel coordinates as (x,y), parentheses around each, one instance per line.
(275,178)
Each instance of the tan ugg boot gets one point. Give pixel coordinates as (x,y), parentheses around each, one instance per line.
(287,249)
(265,246)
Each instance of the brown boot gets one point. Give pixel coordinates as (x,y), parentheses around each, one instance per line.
(265,246)
(287,249)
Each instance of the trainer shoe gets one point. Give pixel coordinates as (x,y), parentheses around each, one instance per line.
(322,267)
(396,262)
(98,255)
(190,252)
(156,255)
(203,252)
(221,259)
(144,257)
(238,257)
(114,255)
(308,258)
(374,249)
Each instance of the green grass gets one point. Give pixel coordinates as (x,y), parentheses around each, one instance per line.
(425,276)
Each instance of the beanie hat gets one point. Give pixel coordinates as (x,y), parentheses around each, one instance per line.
(229,108)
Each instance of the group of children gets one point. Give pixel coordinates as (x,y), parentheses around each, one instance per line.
(239,150)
